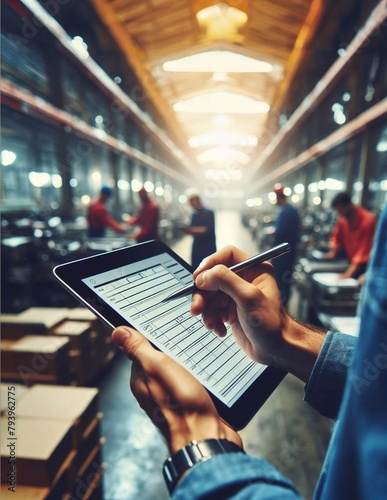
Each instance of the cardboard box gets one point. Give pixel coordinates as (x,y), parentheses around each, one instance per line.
(43,447)
(24,493)
(78,333)
(90,439)
(11,393)
(79,405)
(81,314)
(83,367)
(36,358)
(88,482)
(35,320)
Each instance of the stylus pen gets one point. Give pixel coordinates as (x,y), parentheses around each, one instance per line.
(257,259)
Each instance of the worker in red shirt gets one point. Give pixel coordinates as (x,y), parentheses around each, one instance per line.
(354,233)
(147,219)
(98,217)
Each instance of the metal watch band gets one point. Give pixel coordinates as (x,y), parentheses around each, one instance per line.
(194,452)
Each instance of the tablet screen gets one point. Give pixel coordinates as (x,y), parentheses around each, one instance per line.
(136,290)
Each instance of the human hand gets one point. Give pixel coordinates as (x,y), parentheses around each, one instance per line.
(330,255)
(250,303)
(174,400)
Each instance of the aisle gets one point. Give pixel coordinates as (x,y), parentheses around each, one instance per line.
(286,430)
(229,231)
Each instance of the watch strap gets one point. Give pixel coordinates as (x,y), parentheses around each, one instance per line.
(195,452)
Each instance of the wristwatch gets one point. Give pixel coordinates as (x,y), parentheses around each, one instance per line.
(193,453)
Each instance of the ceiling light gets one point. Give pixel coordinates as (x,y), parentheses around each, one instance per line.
(382,146)
(220,77)
(222,139)
(222,120)
(223,154)
(222,22)
(80,47)
(56,180)
(221,102)
(39,179)
(231,174)
(136,185)
(334,184)
(149,186)
(124,185)
(7,157)
(218,61)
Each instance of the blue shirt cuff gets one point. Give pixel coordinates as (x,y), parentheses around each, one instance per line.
(234,476)
(325,387)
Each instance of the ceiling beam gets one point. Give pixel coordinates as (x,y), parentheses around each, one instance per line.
(297,56)
(137,61)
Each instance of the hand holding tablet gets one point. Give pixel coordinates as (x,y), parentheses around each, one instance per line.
(127,286)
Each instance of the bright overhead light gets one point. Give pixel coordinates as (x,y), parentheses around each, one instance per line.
(223,139)
(149,186)
(7,157)
(56,180)
(218,62)
(223,154)
(222,22)
(215,174)
(220,77)
(382,146)
(122,184)
(80,47)
(222,120)
(39,179)
(334,184)
(221,102)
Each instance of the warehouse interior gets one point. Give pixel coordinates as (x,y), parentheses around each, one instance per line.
(229,98)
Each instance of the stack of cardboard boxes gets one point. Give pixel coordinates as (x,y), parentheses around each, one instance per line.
(50,424)
(55,443)
(54,346)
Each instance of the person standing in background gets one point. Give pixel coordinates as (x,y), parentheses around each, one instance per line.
(98,217)
(147,219)
(354,233)
(287,229)
(202,228)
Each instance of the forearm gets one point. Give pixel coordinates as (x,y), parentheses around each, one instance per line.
(196,230)
(300,348)
(352,270)
(114,225)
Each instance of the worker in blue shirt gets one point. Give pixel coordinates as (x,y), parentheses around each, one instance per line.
(345,376)
(286,229)
(201,228)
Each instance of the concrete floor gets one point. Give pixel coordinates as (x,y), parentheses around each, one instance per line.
(286,431)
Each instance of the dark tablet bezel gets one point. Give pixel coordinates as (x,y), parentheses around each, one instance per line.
(70,276)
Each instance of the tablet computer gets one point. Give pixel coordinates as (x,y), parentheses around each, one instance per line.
(127,287)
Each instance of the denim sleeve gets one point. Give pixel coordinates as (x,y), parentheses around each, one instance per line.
(325,387)
(235,476)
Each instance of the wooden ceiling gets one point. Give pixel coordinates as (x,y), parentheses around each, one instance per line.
(150,32)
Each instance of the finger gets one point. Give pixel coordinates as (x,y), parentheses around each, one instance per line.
(215,311)
(220,278)
(135,345)
(228,256)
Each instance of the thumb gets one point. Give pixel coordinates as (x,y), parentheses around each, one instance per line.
(129,340)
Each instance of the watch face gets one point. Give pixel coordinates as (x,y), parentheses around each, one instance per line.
(127,287)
